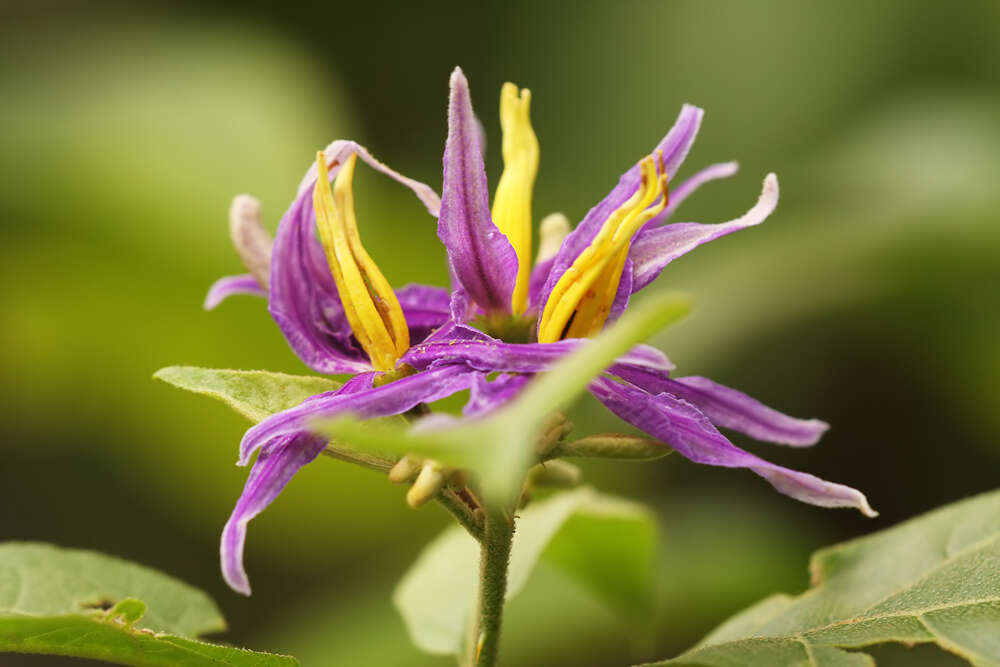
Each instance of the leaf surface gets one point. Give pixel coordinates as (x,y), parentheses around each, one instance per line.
(84,604)
(933,579)
(568,531)
(254,394)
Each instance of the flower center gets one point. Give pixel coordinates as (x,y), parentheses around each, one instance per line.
(582,298)
(370,305)
(512,201)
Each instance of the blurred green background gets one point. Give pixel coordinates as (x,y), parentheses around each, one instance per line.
(871,298)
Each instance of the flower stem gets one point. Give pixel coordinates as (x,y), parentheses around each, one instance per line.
(498,533)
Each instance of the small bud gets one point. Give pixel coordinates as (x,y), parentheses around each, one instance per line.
(555,473)
(552,230)
(250,238)
(405,470)
(430,480)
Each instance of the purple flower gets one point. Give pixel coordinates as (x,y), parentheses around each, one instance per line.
(504,320)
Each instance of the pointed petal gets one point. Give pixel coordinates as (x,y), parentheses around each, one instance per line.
(480,256)
(303,296)
(277,464)
(675,146)
(733,409)
(685,428)
(223,288)
(655,247)
(728,407)
(359,397)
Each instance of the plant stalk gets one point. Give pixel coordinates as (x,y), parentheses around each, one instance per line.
(498,534)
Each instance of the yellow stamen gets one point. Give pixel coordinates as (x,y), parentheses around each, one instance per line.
(512,202)
(372,309)
(581,300)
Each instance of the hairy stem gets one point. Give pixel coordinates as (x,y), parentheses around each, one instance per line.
(498,533)
(465,515)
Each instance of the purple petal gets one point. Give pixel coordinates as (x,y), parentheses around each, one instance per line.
(539,276)
(479,255)
(277,464)
(469,347)
(487,396)
(655,247)
(223,288)
(303,295)
(686,189)
(425,308)
(337,153)
(728,407)
(362,399)
(685,428)
(675,146)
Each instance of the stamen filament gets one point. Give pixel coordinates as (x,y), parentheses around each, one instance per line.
(512,201)
(583,296)
(371,307)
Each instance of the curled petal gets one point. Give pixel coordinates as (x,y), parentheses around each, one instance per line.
(223,288)
(712,172)
(250,238)
(674,146)
(303,295)
(277,464)
(655,247)
(686,429)
(361,398)
(337,153)
(480,256)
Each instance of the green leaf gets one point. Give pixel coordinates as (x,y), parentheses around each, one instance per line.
(569,531)
(504,441)
(933,579)
(254,394)
(84,604)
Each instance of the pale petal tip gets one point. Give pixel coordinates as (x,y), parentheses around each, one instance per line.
(244,204)
(458,78)
(864,507)
(770,187)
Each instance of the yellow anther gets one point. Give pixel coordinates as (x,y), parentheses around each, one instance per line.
(512,202)
(582,298)
(372,309)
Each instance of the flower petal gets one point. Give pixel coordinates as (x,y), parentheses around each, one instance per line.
(223,288)
(337,153)
(303,296)
(675,146)
(486,396)
(729,408)
(686,189)
(479,255)
(470,347)
(655,247)
(686,429)
(425,308)
(277,464)
(362,399)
